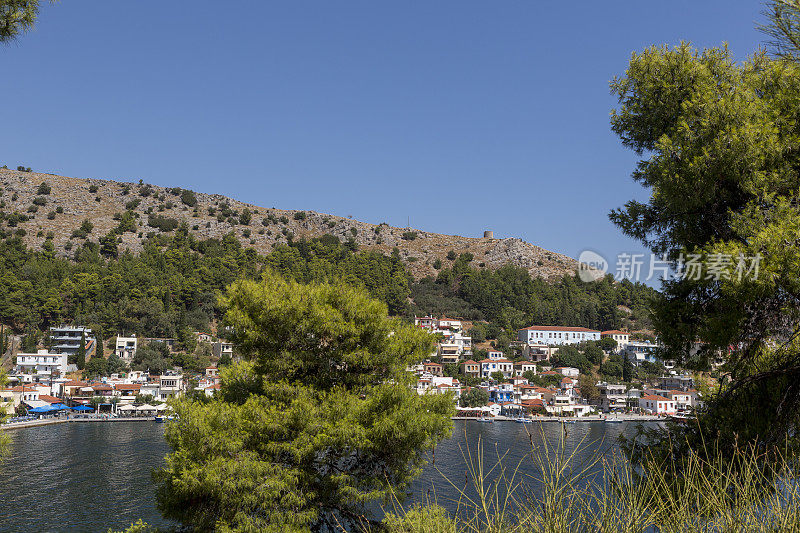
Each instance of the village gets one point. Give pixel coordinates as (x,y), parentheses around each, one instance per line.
(517,384)
(40,386)
(503,386)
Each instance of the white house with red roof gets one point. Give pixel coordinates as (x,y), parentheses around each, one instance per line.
(520,367)
(657,405)
(490,366)
(557,335)
(622,337)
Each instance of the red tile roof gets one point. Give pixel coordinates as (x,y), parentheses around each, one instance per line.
(49,399)
(614,332)
(654,398)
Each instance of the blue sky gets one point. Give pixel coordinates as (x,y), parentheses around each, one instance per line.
(459,115)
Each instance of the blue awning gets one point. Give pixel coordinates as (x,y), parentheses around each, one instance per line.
(58,406)
(82,408)
(41,410)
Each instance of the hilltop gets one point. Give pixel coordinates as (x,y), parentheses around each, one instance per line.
(58,209)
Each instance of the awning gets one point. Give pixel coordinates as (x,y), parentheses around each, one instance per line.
(42,410)
(59,406)
(36,403)
(162,407)
(146,407)
(82,408)
(126,407)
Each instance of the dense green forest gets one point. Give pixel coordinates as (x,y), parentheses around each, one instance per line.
(510,298)
(171,287)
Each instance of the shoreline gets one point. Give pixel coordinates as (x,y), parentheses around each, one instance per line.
(49,422)
(611,420)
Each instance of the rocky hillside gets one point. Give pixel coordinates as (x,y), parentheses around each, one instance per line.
(57,206)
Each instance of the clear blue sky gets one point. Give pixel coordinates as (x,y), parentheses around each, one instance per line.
(461,115)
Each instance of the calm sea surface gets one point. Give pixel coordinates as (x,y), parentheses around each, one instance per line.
(92,476)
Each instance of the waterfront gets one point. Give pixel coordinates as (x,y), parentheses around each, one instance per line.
(89,477)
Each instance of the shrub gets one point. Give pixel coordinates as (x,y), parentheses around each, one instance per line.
(245,217)
(162,223)
(40,201)
(451,255)
(146,190)
(51,215)
(92,189)
(284,220)
(59,209)
(132,204)
(43,189)
(300,215)
(189,198)
(33,209)
(409,235)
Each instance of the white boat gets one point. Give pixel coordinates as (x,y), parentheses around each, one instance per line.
(613,421)
(523,420)
(482,419)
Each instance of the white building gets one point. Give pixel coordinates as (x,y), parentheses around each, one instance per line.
(657,405)
(622,337)
(638,352)
(557,335)
(126,348)
(170,385)
(221,348)
(568,371)
(42,364)
(490,366)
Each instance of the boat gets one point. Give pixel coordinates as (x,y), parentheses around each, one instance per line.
(568,421)
(483,419)
(159,419)
(523,420)
(613,421)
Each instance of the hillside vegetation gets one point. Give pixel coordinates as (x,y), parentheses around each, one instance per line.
(56,208)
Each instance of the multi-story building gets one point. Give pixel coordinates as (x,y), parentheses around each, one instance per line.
(221,348)
(67,339)
(622,337)
(170,385)
(676,382)
(42,365)
(613,397)
(657,405)
(470,368)
(126,348)
(557,335)
(520,367)
(637,352)
(434,369)
(490,366)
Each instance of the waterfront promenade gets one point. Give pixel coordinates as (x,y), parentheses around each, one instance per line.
(63,420)
(630,417)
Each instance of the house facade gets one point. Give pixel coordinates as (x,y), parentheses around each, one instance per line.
(557,335)
(657,405)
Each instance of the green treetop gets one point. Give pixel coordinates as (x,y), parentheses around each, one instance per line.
(719,143)
(319,420)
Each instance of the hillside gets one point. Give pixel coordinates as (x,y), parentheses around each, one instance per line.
(60,212)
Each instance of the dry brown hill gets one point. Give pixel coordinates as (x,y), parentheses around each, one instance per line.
(72,200)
